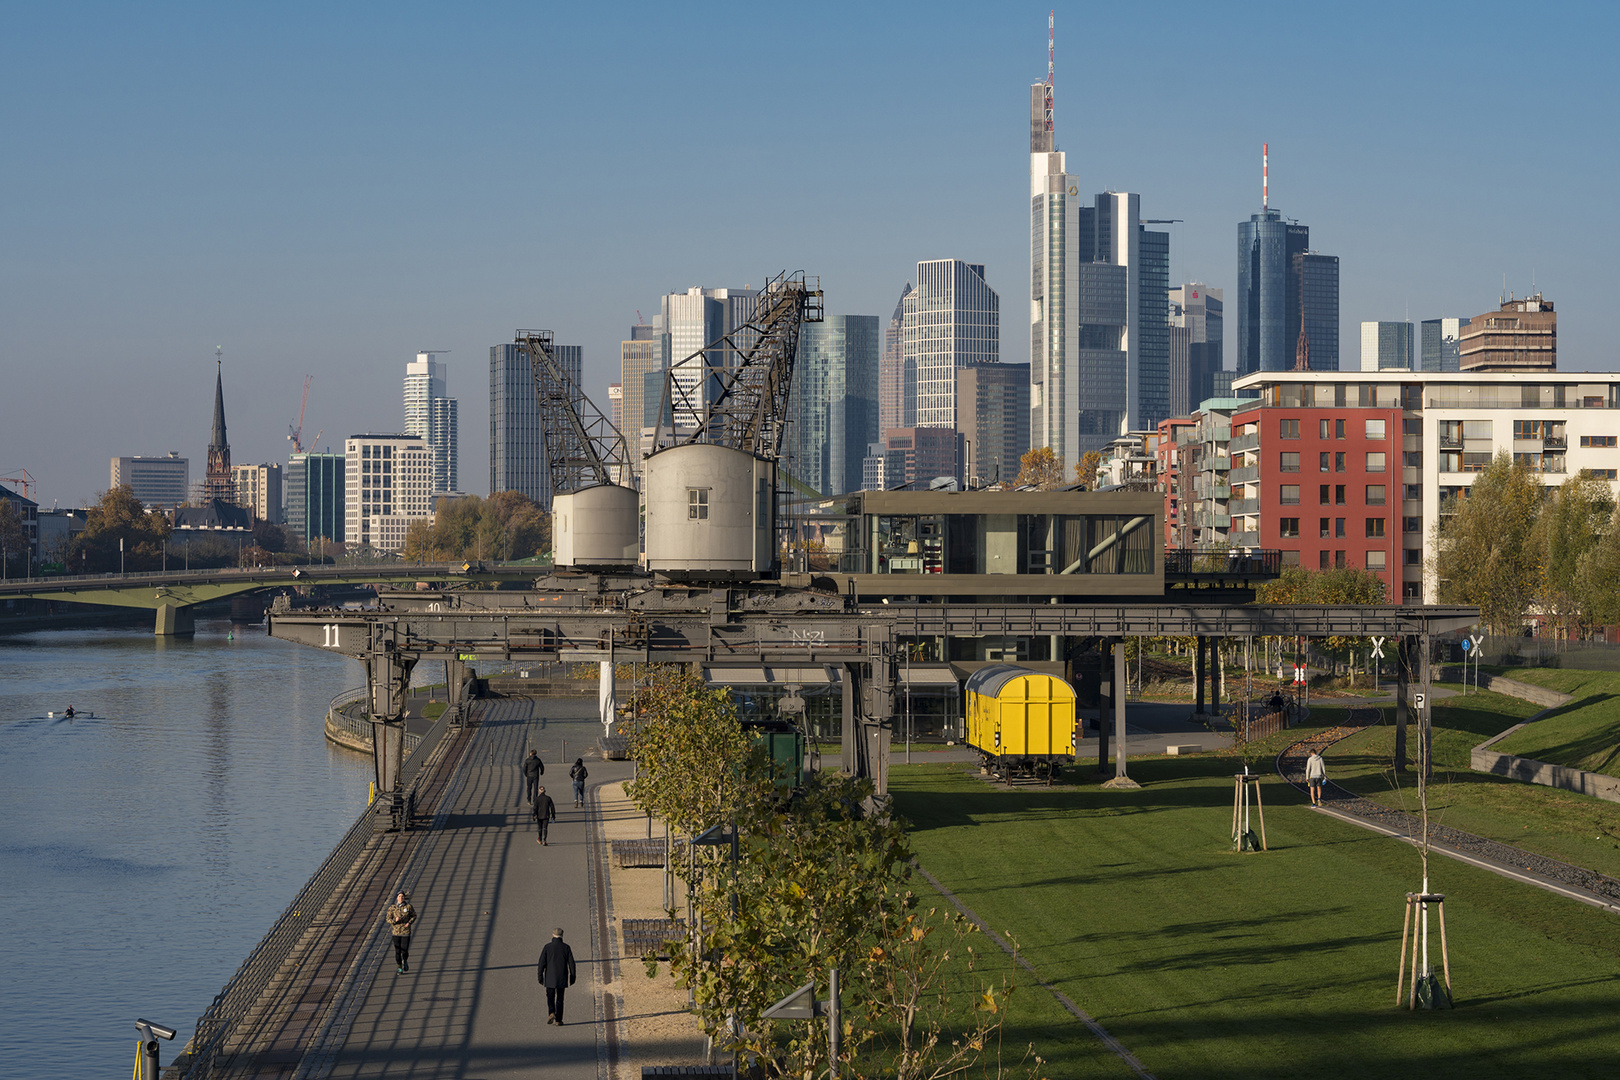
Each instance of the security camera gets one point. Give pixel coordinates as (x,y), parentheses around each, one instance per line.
(150,1028)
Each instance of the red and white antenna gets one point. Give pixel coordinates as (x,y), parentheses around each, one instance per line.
(1051,18)
(1265,176)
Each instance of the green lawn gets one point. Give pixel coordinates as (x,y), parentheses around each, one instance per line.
(1205,963)
(1573,828)
(1585,734)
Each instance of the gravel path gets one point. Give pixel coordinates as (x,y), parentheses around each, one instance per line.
(1291,767)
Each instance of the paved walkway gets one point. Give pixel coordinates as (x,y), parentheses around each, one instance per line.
(488,898)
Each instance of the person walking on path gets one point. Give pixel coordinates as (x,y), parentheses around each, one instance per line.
(578,774)
(556,974)
(401,918)
(545,812)
(1315,774)
(533,770)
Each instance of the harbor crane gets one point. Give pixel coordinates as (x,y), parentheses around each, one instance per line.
(583,448)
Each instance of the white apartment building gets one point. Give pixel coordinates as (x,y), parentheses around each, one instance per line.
(258,488)
(1451,425)
(385,476)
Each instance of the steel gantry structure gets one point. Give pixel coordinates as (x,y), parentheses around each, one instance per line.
(591,617)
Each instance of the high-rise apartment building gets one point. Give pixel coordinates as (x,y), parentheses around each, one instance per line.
(316,508)
(1197,333)
(1438,342)
(640,355)
(992,410)
(161,483)
(952,320)
(431,413)
(517,446)
(834,402)
(1386,346)
(1521,335)
(687,323)
(897,386)
(257,488)
(388,482)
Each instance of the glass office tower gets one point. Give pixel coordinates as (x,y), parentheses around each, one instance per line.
(834,403)
(1268,296)
(517,446)
(952,320)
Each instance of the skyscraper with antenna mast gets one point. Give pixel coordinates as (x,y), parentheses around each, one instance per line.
(1287,295)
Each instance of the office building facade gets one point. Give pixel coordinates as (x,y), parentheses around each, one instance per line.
(639,355)
(388,481)
(951,320)
(688,323)
(1196,345)
(517,445)
(897,387)
(1521,335)
(1316,278)
(257,489)
(1386,346)
(316,507)
(1268,303)
(160,483)
(834,403)
(1438,343)
(992,408)
(431,413)
(917,456)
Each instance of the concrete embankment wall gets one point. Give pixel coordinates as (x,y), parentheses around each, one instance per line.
(1528,770)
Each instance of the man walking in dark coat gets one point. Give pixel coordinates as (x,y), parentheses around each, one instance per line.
(556,974)
(533,770)
(545,812)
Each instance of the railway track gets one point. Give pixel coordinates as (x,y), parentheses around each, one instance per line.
(1290,765)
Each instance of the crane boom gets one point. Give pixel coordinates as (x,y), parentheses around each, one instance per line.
(295,435)
(583,448)
(749,407)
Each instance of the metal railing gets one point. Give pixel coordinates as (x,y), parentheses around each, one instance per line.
(348,713)
(210,1047)
(1192,562)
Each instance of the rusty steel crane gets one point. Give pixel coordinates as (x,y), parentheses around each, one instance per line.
(742,404)
(583,448)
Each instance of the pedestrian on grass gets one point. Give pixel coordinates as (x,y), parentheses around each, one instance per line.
(556,974)
(1315,774)
(545,812)
(401,918)
(578,774)
(533,770)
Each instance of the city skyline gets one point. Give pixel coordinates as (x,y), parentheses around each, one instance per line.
(331,223)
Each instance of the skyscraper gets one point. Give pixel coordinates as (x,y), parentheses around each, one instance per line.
(897,387)
(952,320)
(1438,343)
(687,323)
(1269,282)
(992,410)
(431,413)
(1317,285)
(517,446)
(834,402)
(1198,313)
(316,508)
(639,355)
(387,483)
(1521,335)
(1099,311)
(1386,346)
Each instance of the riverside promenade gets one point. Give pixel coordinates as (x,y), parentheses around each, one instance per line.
(488,897)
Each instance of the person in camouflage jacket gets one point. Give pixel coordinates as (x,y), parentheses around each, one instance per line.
(401,918)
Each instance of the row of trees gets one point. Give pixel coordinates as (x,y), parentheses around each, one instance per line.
(1515,548)
(1043,469)
(818,883)
(505,526)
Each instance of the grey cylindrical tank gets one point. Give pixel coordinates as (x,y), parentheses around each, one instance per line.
(596,527)
(710,509)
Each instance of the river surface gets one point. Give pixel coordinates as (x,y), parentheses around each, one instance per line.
(144,852)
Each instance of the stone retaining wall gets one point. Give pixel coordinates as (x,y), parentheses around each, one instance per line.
(1536,695)
(1483,759)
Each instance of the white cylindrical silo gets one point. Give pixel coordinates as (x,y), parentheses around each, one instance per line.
(710,510)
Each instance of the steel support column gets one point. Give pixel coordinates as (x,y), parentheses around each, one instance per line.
(1403,661)
(1200,663)
(388,677)
(1106,688)
(1121,779)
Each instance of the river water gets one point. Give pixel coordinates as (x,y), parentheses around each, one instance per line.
(144,852)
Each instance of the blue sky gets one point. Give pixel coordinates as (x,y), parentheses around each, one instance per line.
(327,188)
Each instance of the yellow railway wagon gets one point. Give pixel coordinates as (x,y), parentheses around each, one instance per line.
(1020,721)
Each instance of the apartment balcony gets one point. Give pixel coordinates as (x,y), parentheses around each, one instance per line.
(1554,442)
(1244,539)
(1215,521)
(1243,506)
(1245,475)
(1215,463)
(1244,442)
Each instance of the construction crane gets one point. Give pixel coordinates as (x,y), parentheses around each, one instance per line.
(744,404)
(295,435)
(583,448)
(24,480)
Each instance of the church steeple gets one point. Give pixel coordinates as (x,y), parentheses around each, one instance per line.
(218,483)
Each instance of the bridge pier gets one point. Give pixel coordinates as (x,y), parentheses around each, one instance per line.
(174,620)
(388,678)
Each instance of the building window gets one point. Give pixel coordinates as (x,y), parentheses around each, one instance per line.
(1375,528)
(1375,429)
(1338,495)
(1322,493)
(1375,462)
(1451,434)
(1414,492)
(1290,462)
(1413,459)
(1411,590)
(1375,560)
(1338,429)
(1322,528)
(1290,557)
(1375,494)
(1598,441)
(1604,474)
(1288,495)
(1324,429)
(1289,429)
(1412,425)
(697,504)
(1289,528)
(1450,461)
(1338,559)
(1322,556)
(1338,461)
(1412,525)
(1414,556)
(1322,462)
(1338,528)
